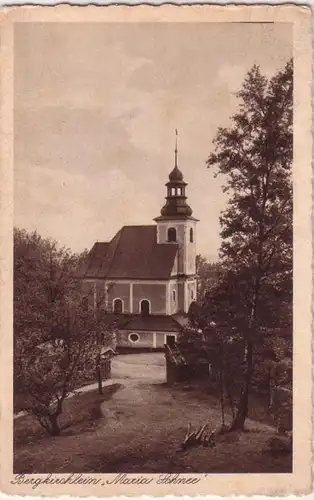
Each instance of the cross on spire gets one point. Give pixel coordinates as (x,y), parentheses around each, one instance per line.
(176,150)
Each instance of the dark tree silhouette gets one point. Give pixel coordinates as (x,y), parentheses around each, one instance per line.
(57,331)
(255,157)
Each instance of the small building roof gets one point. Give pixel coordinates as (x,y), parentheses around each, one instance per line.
(133,253)
(107,352)
(139,322)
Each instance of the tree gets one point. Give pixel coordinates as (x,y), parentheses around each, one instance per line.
(255,156)
(217,325)
(207,274)
(56,330)
(220,318)
(105,332)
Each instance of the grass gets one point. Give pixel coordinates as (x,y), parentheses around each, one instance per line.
(19,399)
(258,407)
(137,428)
(80,412)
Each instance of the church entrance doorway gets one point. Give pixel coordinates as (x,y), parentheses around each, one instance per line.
(170,340)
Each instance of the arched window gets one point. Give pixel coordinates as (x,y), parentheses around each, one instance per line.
(172,234)
(118,306)
(192,294)
(173,191)
(173,295)
(145,307)
(191,235)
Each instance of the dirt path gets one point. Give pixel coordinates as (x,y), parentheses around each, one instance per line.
(131,370)
(145,400)
(142,368)
(139,374)
(144,423)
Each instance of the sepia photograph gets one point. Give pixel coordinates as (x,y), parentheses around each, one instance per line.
(153,250)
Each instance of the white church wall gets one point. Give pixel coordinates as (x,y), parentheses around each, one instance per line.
(155,293)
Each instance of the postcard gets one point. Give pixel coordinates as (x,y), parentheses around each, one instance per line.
(156,250)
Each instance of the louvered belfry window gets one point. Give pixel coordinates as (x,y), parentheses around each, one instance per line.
(172,234)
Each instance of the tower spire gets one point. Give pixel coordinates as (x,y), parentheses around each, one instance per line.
(176,151)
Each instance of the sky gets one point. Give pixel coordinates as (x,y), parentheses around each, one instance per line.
(95,110)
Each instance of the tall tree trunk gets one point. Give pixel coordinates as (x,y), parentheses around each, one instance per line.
(99,374)
(243,406)
(229,395)
(242,411)
(55,429)
(221,387)
(269,388)
(222,402)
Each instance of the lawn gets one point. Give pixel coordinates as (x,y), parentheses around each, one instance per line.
(138,427)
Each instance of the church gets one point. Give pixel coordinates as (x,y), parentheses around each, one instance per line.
(148,273)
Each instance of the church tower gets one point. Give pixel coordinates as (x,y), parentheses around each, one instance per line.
(176,225)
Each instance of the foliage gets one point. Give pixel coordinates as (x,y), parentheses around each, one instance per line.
(214,328)
(56,332)
(207,274)
(190,338)
(255,156)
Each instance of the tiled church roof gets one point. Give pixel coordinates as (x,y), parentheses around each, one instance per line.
(132,254)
